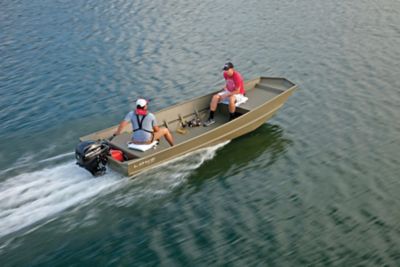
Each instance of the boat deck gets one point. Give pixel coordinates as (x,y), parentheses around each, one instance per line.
(259,91)
(121,141)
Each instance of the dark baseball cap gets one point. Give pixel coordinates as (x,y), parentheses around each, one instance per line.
(228,65)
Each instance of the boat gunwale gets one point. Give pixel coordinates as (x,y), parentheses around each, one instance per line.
(213,141)
(225,125)
(195,99)
(126,165)
(216,91)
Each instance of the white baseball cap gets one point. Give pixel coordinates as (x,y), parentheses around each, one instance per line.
(141,102)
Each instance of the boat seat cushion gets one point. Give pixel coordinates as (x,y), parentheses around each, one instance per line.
(143,147)
(240,99)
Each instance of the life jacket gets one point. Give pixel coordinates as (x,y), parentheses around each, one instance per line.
(140,124)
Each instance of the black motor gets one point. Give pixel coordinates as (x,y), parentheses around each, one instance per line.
(92,156)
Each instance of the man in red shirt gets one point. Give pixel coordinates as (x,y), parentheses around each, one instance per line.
(233,92)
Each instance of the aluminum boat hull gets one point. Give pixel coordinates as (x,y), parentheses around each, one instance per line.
(266,96)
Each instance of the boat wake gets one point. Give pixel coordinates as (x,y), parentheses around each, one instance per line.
(26,162)
(31,199)
(164,178)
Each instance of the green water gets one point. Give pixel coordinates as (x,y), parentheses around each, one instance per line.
(318,185)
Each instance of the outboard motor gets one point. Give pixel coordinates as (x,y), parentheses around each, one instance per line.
(92,156)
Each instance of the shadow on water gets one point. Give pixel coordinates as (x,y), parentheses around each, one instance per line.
(268,139)
(262,147)
(77,203)
(40,196)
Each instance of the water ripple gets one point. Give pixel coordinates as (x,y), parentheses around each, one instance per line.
(319,186)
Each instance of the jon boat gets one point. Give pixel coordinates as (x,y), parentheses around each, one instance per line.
(265,96)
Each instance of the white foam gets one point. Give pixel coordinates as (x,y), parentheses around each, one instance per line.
(39,196)
(58,157)
(32,197)
(164,178)
(26,161)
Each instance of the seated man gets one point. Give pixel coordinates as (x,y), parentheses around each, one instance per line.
(144,125)
(233,91)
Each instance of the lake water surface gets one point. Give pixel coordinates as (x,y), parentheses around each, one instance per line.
(318,185)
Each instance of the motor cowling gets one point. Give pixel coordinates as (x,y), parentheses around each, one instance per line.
(92,155)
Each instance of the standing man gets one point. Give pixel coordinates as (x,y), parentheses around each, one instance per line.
(144,125)
(233,92)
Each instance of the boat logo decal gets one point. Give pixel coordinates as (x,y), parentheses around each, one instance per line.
(145,162)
